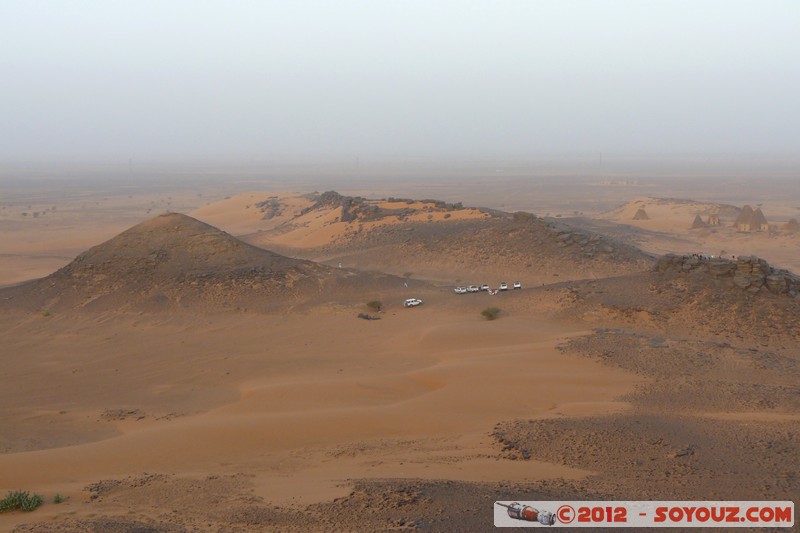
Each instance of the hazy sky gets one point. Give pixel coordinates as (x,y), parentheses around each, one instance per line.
(474,79)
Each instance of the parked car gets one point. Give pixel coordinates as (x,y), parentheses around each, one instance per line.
(504,286)
(412,302)
(517,285)
(460,290)
(473,288)
(484,287)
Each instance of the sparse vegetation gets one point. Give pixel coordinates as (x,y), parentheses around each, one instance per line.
(490,313)
(374,305)
(58,498)
(522,216)
(19,499)
(46,313)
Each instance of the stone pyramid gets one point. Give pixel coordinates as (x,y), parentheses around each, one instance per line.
(698,222)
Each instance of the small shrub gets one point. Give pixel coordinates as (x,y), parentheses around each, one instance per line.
(22,500)
(31,503)
(58,498)
(374,305)
(490,313)
(46,313)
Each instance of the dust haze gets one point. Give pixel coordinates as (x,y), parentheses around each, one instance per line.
(278,82)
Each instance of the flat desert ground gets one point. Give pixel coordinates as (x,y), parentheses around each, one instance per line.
(229,410)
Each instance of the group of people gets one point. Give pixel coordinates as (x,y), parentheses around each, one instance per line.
(706,257)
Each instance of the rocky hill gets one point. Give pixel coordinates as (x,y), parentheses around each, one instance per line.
(436,240)
(747,273)
(716,414)
(175,260)
(744,301)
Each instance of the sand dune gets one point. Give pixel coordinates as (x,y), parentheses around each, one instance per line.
(399,379)
(253,211)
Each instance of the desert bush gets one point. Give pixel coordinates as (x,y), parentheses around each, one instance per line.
(522,216)
(374,305)
(58,498)
(490,313)
(19,499)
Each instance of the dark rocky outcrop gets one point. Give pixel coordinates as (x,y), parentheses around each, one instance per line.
(360,209)
(747,273)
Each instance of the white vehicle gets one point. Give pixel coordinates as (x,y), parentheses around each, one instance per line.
(517,285)
(484,287)
(504,286)
(473,288)
(412,302)
(460,290)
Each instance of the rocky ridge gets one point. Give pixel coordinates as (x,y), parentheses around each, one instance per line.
(749,273)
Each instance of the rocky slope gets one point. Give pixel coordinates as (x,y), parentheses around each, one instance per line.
(176,261)
(518,246)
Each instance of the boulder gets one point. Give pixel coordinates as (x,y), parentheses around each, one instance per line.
(721,268)
(741,281)
(776,283)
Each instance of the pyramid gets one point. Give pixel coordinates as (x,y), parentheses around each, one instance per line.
(759,220)
(750,219)
(792,226)
(698,223)
(641,214)
(745,216)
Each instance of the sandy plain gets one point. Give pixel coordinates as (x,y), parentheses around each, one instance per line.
(165,420)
